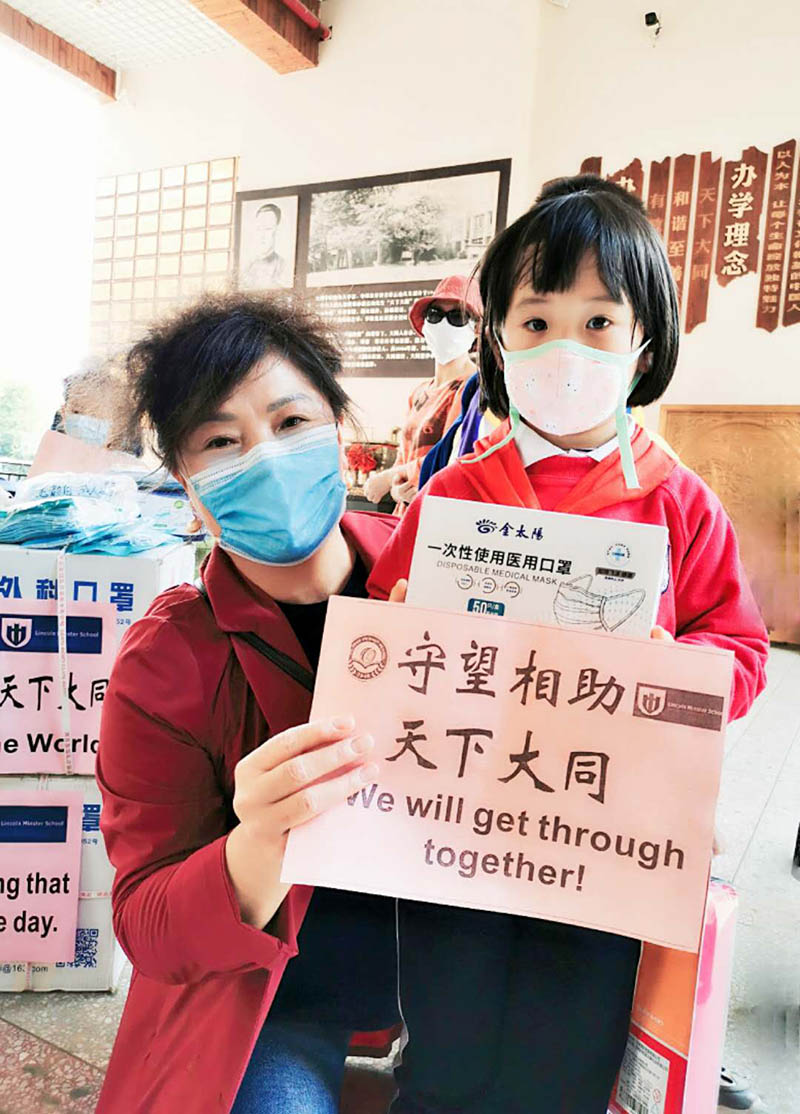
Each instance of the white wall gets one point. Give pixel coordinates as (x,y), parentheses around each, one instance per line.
(47,187)
(723,75)
(406,86)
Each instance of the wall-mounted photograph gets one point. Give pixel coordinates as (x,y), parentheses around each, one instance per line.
(405,231)
(267,243)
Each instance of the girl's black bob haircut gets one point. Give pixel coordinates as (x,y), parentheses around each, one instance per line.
(186,365)
(574,217)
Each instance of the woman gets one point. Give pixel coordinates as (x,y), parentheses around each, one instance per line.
(206,759)
(449,321)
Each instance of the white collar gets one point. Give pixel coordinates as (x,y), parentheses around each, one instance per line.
(532,447)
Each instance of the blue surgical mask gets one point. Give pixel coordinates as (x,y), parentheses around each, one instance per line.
(94,431)
(279,502)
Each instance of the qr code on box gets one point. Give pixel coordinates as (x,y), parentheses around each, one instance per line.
(86,941)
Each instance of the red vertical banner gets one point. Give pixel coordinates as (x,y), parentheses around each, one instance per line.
(775,235)
(742,201)
(631,177)
(791,305)
(679,213)
(705,222)
(657,194)
(592,165)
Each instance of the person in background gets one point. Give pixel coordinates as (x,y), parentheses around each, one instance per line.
(449,320)
(96,409)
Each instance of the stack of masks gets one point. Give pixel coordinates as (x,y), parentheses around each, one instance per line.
(81,513)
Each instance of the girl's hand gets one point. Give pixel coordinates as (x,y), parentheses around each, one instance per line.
(658,634)
(290,778)
(398,593)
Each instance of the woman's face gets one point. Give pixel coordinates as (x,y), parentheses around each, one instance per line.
(274,402)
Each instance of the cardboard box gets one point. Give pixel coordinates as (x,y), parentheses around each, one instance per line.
(674,1053)
(571,571)
(99,960)
(130,584)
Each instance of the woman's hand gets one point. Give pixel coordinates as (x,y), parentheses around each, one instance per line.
(378,484)
(289,779)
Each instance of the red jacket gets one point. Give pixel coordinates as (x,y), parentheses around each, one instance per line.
(707,601)
(185,703)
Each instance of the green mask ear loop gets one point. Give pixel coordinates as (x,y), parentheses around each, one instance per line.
(515,420)
(624,438)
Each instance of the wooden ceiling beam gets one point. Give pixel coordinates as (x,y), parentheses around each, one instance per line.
(52,47)
(269,29)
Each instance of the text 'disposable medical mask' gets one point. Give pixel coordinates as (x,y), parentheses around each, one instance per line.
(576,606)
(277,503)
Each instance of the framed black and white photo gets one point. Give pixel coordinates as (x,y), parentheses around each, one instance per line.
(363,249)
(267,242)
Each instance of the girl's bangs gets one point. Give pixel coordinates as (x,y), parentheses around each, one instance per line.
(558,241)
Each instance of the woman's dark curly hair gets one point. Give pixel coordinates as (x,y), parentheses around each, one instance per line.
(189,363)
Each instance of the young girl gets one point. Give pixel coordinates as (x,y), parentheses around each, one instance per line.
(509,1014)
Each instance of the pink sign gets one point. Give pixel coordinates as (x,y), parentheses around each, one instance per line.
(50,704)
(524,769)
(40,858)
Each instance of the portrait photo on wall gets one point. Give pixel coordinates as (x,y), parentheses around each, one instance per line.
(267,243)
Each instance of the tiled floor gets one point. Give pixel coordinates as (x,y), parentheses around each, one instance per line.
(53,1047)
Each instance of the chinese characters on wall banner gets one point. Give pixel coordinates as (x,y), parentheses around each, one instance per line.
(731,219)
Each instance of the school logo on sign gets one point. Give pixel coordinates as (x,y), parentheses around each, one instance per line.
(650,701)
(692,709)
(15,632)
(368,657)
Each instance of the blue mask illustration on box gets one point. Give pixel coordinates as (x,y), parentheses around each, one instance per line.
(278,503)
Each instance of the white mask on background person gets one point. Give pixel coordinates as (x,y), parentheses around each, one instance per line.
(447,342)
(94,431)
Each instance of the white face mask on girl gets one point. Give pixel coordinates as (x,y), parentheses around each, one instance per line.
(563,387)
(447,342)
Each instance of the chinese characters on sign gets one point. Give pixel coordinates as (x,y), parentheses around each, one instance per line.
(742,198)
(631,177)
(34,693)
(713,222)
(776,235)
(523,769)
(791,305)
(679,213)
(657,194)
(705,224)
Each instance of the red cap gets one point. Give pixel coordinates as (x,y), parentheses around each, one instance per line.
(454,288)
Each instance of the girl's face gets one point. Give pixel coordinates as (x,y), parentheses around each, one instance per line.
(585,313)
(273,403)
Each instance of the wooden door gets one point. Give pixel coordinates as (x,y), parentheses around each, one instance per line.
(750,456)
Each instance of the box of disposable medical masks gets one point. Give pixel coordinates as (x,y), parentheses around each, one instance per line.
(674,1053)
(130,584)
(565,570)
(98,959)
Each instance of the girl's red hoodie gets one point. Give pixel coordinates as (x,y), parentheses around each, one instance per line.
(707,600)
